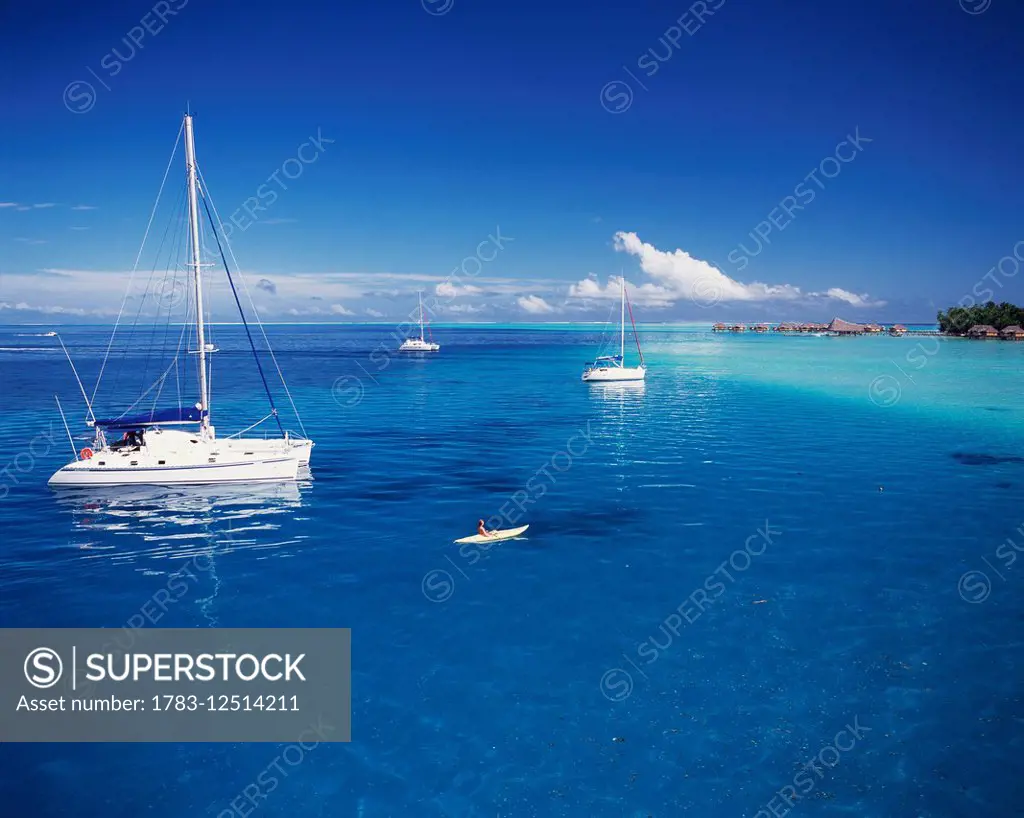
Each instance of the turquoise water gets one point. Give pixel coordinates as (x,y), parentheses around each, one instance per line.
(713,589)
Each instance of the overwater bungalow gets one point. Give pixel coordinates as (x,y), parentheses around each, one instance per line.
(897,329)
(737,328)
(759,328)
(982,331)
(787,326)
(1012,333)
(719,327)
(841,327)
(873,329)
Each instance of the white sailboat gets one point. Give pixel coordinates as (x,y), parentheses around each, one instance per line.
(179,446)
(612,367)
(420,344)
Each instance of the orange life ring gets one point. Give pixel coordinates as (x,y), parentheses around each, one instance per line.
(86,453)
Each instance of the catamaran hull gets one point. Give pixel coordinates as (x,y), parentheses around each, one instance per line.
(81,473)
(614,373)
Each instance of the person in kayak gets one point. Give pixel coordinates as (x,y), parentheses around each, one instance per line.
(481,529)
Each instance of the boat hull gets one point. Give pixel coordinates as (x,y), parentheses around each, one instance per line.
(416,345)
(175,458)
(606,374)
(255,471)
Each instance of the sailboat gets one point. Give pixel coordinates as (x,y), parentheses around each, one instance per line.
(420,344)
(179,445)
(612,367)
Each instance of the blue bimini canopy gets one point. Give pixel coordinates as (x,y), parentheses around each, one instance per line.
(155,418)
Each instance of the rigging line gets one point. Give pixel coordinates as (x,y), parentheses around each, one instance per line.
(635,336)
(250,428)
(151,346)
(171,304)
(256,313)
(241,312)
(131,279)
(142,305)
(153,386)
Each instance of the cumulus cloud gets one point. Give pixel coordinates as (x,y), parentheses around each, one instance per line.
(678,275)
(534,304)
(448,290)
(863,300)
(374,313)
(646,295)
(267,286)
(338,309)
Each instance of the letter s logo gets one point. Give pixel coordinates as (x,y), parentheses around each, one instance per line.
(43,667)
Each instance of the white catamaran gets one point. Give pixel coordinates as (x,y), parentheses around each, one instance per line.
(179,446)
(611,367)
(420,344)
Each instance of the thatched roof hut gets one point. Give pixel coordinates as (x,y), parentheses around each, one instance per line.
(1012,333)
(842,327)
(737,328)
(873,328)
(719,327)
(982,331)
(897,329)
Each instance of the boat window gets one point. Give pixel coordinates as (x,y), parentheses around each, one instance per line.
(161,462)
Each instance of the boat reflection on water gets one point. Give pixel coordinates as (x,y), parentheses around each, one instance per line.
(178,523)
(622,393)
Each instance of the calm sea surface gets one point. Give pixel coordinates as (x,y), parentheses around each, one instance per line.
(774,540)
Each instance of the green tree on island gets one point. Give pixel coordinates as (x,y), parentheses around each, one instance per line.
(957,320)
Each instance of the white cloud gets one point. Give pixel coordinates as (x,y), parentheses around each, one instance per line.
(44,204)
(338,309)
(646,295)
(30,241)
(448,290)
(374,313)
(466,309)
(81,207)
(853,299)
(534,304)
(8,204)
(678,275)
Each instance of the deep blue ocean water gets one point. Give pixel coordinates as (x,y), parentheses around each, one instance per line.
(836,491)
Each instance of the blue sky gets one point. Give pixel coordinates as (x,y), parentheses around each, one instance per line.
(597,138)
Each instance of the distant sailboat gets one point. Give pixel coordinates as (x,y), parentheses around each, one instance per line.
(611,367)
(177,445)
(420,344)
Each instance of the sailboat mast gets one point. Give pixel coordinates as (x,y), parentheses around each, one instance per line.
(193,229)
(622,320)
(422,336)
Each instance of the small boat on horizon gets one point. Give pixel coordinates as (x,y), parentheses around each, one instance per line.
(420,344)
(607,368)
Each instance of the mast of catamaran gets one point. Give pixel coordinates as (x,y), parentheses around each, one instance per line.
(193,229)
(622,319)
(422,336)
